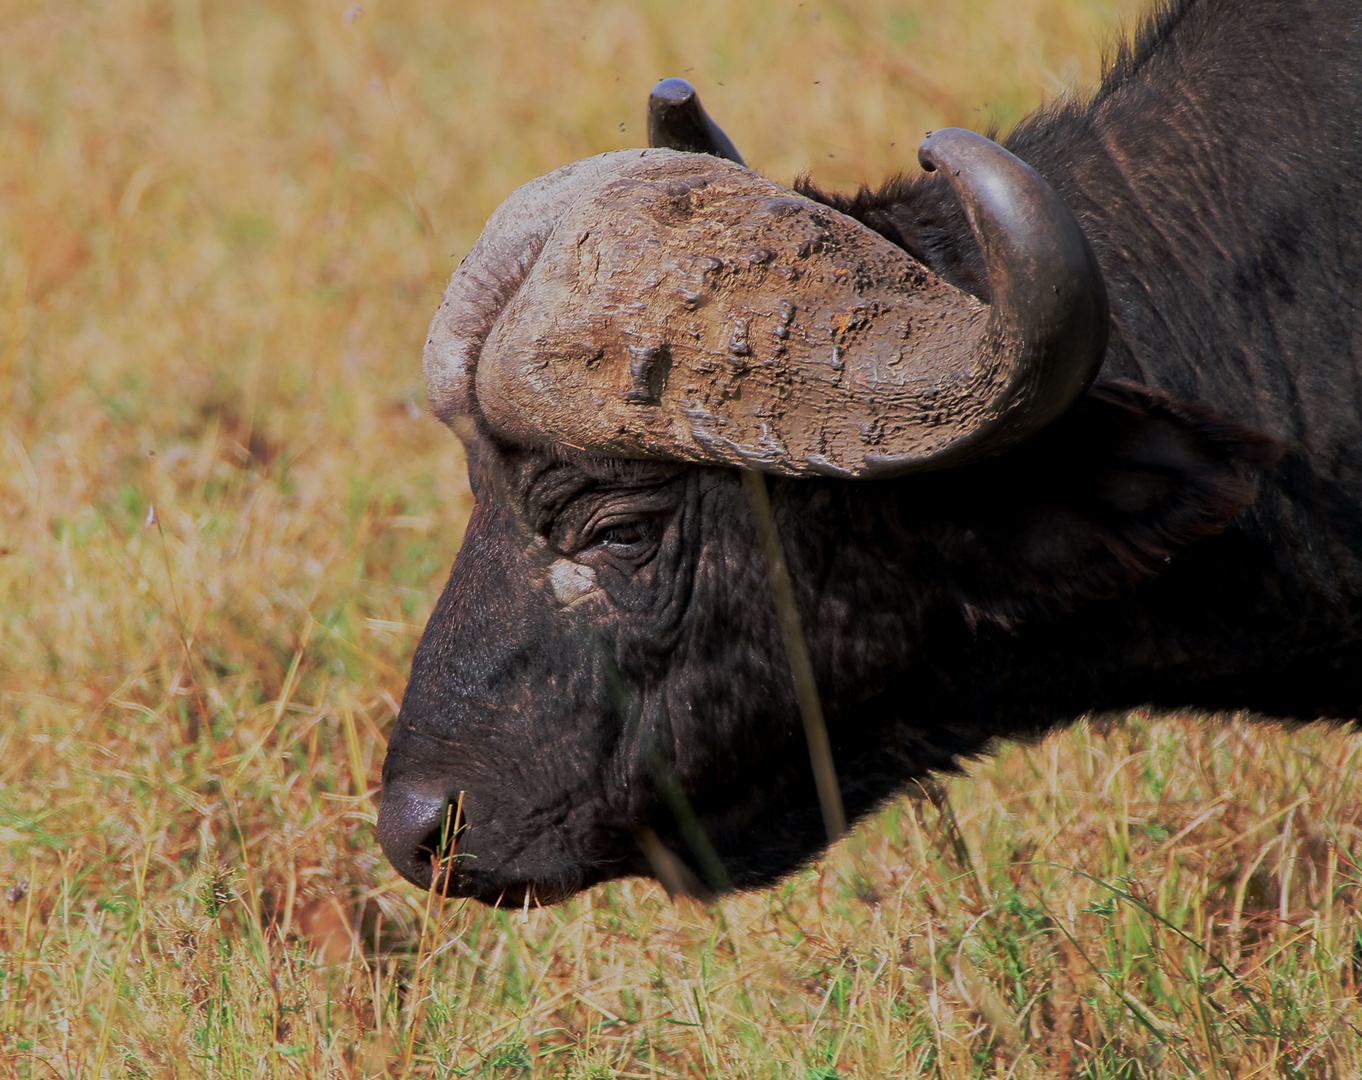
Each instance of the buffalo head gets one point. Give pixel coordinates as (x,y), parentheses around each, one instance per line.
(604,687)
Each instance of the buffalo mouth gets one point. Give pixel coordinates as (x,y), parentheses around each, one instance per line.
(525,895)
(461,874)
(654,861)
(454,877)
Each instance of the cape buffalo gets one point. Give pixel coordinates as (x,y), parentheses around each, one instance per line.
(1040,439)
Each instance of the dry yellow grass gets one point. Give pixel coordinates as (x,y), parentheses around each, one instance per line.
(224,517)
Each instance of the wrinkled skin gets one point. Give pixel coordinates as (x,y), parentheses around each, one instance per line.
(1192,542)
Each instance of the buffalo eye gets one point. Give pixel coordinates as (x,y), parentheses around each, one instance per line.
(624,543)
(627,537)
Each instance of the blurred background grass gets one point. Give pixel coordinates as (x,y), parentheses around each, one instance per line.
(224,516)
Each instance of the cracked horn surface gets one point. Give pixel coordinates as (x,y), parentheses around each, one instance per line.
(677,306)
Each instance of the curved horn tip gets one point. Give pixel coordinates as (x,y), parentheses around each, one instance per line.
(946,147)
(673,91)
(678,121)
(1047,286)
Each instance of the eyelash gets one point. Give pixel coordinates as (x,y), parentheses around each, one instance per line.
(628,533)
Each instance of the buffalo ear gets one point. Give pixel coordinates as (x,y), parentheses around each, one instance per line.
(1098,502)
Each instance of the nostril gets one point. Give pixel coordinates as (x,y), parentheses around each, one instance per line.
(435,844)
(414,827)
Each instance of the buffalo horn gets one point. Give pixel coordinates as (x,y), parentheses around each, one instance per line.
(655,304)
(676,119)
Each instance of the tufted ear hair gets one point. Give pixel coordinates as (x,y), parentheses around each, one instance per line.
(1097,503)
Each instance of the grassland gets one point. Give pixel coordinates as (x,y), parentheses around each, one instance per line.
(224,517)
